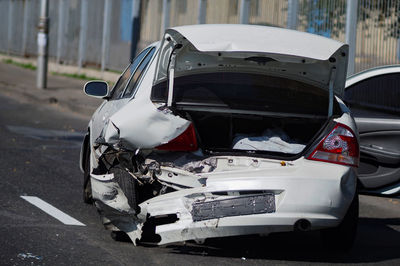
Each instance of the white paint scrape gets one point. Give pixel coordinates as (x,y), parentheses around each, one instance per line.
(53,211)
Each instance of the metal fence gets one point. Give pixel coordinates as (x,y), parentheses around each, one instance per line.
(97,33)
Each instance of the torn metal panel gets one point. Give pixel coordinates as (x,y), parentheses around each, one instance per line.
(233,207)
(109,192)
(140,125)
(113,204)
(121,221)
(180,178)
(194,162)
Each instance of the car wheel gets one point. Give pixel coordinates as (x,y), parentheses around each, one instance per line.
(341,238)
(87,185)
(127,184)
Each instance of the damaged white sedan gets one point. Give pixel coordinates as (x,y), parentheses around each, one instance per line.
(224,130)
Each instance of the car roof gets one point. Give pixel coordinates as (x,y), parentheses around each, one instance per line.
(254,38)
(372,72)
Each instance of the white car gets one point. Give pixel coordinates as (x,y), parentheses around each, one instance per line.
(224,130)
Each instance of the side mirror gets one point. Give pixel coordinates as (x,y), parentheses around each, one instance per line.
(96,88)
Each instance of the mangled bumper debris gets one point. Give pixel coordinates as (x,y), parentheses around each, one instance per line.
(241,196)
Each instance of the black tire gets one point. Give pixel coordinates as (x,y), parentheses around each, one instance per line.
(341,238)
(120,236)
(128,185)
(87,185)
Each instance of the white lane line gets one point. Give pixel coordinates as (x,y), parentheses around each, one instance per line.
(53,211)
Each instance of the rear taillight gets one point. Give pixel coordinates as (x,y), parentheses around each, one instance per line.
(184,142)
(340,147)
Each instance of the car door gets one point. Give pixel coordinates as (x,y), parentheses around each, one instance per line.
(375,105)
(116,99)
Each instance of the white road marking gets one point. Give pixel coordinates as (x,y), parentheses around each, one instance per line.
(53,211)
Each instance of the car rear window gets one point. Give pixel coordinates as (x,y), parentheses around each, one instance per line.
(245,91)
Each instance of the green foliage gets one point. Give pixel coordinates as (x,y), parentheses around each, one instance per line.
(75,76)
(23,65)
(329,16)
(384,14)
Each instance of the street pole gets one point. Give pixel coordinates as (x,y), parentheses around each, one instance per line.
(27,12)
(83,33)
(351,33)
(293,6)
(202,7)
(135,27)
(165,16)
(60,33)
(105,43)
(10,25)
(244,12)
(42,42)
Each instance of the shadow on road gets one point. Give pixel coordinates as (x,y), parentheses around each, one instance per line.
(376,241)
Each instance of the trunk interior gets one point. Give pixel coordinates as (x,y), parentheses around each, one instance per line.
(218,131)
(249,112)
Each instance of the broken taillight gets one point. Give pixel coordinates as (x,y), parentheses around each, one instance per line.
(340,146)
(184,142)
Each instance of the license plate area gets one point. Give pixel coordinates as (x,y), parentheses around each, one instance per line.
(245,205)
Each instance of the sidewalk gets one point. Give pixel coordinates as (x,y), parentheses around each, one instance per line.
(62,92)
(65,69)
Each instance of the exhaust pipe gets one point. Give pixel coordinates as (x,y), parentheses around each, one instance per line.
(302,225)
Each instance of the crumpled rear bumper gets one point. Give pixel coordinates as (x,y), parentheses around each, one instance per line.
(318,192)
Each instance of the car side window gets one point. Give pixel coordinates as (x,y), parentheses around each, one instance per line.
(132,85)
(124,78)
(378,96)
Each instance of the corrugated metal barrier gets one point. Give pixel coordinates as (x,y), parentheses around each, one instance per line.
(106,30)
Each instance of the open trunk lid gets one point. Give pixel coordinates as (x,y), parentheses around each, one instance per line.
(274,93)
(273,51)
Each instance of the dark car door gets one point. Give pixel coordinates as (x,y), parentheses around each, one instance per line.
(375,105)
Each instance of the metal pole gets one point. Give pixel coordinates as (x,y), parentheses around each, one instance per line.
(42,42)
(351,32)
(165,16)
(398,49)
(293,6)
(106,33)
(244,12)
(135,27)
(27,7)
(201,18)
(10,25)
(60,33)
(82,33)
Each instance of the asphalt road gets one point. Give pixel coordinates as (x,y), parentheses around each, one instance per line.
(36,161)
